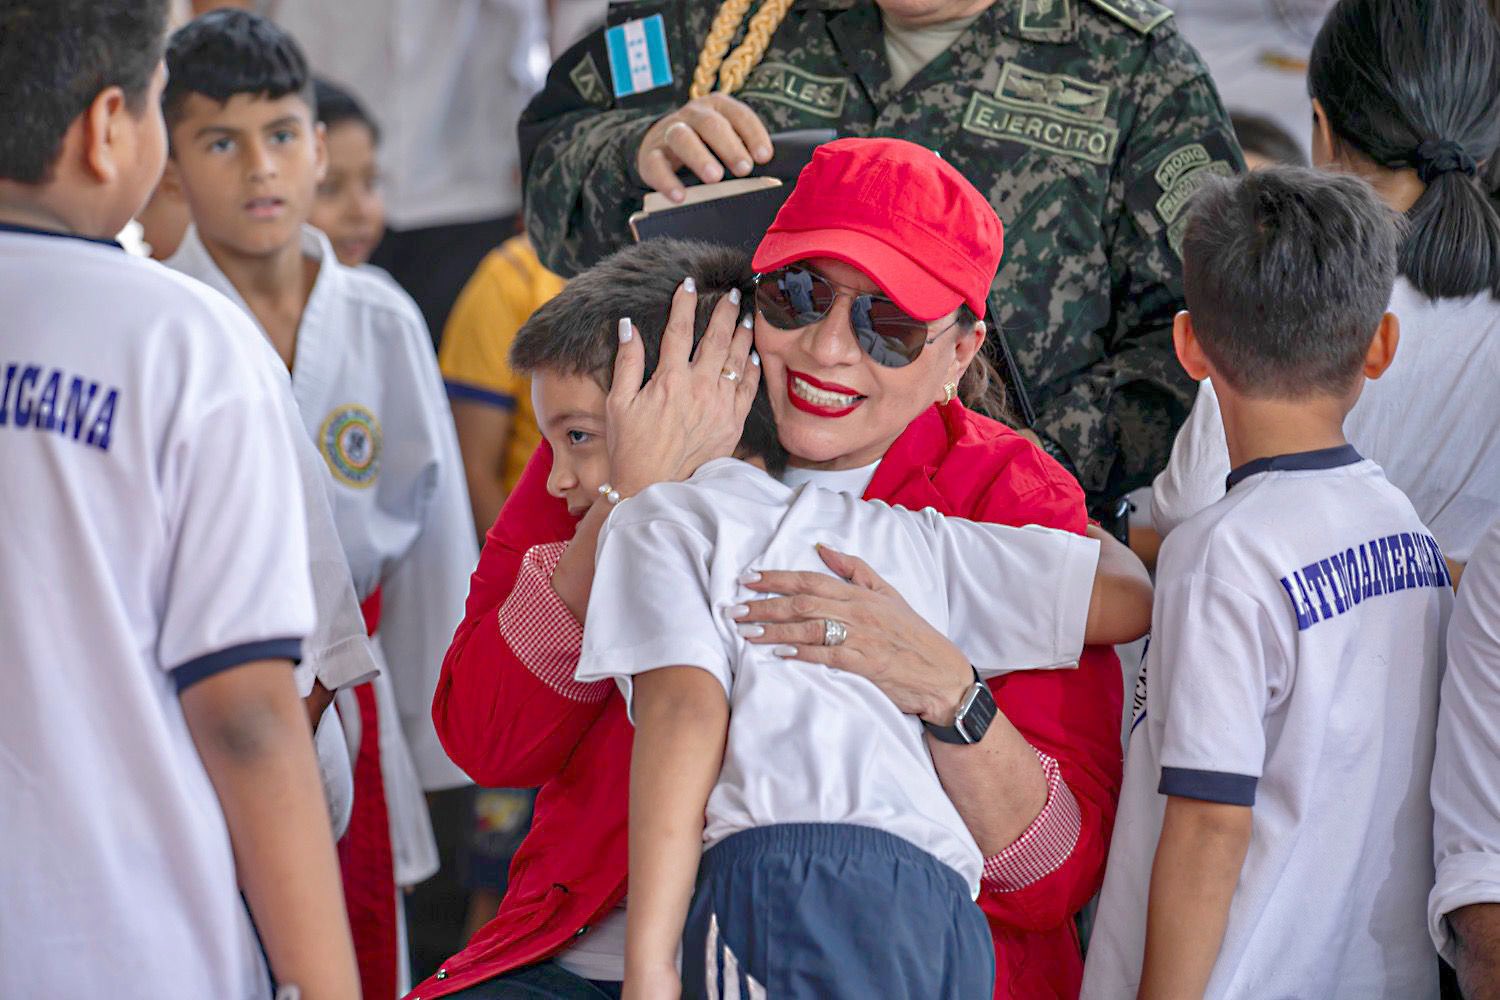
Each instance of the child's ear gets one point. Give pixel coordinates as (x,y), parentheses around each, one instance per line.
(170,185)
(1383,346)
(1189,352)
(320,147)
(102,124)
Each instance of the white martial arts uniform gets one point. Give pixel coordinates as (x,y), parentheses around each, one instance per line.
(1296,652)
(148,468)
(808,744)
(1432,422)
(372,401)
(1466,772)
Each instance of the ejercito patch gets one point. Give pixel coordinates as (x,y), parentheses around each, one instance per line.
(350,442)
(1041,128)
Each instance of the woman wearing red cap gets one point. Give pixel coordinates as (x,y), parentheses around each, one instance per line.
(869,318)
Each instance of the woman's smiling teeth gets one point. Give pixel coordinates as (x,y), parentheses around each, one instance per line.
(822,397)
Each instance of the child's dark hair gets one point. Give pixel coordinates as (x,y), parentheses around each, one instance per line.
(229,52)
(336,105)
(1263,137)
(576,333)
(1416,83)
(55,58)
(1287,273)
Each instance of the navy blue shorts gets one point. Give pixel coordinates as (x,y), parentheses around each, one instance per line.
(830,910)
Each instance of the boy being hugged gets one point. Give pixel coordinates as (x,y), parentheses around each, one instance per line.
(158,772)
(1284,725)
(247,154)
(827,802)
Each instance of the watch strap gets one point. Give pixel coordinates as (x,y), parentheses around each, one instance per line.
(975,713)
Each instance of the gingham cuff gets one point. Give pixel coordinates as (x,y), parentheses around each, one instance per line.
(1047,842)
(542,632)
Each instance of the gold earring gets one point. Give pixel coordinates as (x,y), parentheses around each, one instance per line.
(950,392)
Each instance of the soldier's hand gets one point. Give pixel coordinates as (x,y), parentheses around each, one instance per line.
(706,135)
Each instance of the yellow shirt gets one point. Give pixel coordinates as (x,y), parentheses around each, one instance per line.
(506,288)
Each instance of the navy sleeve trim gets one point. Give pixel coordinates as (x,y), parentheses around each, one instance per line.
(1209,786)
(474,394)
(206,666)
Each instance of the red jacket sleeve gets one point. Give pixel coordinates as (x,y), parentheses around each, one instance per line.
(1072,716)
(497,719)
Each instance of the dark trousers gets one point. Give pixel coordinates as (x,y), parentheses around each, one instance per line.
(546,981)
(435,263)
(832,911)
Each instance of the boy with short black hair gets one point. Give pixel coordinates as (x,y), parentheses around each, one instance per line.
(1284,721)
(157,757)
(682,665)
(248,154)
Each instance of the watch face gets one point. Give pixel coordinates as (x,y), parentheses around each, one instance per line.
(976,714)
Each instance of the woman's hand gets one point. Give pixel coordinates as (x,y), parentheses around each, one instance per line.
(888,643)
(692,411)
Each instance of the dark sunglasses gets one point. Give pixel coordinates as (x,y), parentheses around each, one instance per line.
(795,296)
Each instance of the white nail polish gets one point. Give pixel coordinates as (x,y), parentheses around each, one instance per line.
(750,631)
(749,321)
(734,296)
(625,331)
(755,358)
(690,286)
(751,577)
(737,610)
(784,651)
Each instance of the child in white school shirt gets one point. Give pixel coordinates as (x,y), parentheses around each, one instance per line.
(164,836)
(1274,834)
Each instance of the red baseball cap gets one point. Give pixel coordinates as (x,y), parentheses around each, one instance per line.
(901,214)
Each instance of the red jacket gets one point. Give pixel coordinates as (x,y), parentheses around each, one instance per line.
(507,728)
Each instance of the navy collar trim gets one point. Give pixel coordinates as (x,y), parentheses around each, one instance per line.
(6,227)
(1297,461)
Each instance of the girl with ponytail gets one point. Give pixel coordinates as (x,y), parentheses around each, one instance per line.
(1406,95)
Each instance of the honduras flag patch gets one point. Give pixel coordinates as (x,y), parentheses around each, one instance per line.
(638,56)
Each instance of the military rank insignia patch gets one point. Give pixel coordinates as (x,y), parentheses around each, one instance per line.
(1142,15)
(1039,17)
(638,59)
(350,442)
(1051,111)
(589,82)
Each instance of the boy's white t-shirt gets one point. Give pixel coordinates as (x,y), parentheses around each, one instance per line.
(1314,702)
(809,744)
(148,467)
(1432,422)
(1466,771)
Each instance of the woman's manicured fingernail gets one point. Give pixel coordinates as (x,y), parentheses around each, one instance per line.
(755,358)
(743,167)
(750,631)
(625,332)
(734,296)
(749,321)
(751,577)
(690,286)
(784,651)
(677,194)
(737,610)
(763,153)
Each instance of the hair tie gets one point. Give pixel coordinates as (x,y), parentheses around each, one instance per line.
(1436,157)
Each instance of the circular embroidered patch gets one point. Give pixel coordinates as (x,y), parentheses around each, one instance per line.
(350,442)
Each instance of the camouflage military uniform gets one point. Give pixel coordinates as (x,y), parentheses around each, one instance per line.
(1087,123)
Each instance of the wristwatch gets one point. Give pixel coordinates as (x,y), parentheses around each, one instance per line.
(976,710)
